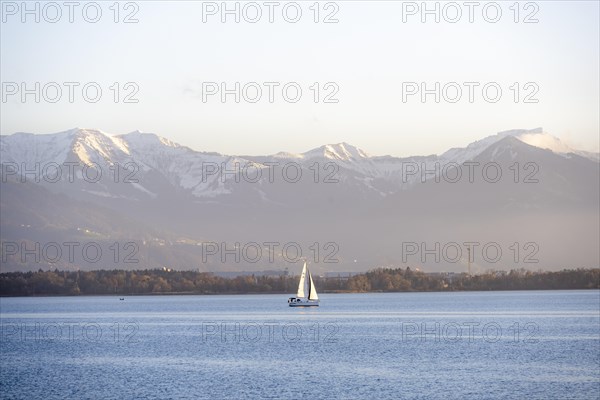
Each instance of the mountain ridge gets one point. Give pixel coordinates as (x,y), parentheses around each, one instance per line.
(342,151)
(368,206)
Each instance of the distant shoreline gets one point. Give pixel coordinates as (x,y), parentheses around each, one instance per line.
(286,293)
(120,283)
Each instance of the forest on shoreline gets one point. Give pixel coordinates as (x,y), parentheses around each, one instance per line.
(157,281)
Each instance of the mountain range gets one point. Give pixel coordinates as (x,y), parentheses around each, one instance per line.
(521,192)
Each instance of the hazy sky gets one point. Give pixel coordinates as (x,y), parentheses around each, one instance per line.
(369,56)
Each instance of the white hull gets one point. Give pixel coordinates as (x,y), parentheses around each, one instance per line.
(297,302)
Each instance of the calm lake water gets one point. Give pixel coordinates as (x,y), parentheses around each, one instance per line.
(476,345)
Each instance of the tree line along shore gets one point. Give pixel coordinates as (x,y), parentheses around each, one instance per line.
(160,281)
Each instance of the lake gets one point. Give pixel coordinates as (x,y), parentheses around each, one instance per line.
(472,345)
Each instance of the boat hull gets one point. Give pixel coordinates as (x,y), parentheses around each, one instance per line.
(297,302)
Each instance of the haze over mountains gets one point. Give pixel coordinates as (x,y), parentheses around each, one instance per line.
(522,192)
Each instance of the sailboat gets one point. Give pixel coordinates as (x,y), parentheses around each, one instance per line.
(307,294)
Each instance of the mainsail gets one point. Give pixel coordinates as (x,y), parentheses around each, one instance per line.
(302,285)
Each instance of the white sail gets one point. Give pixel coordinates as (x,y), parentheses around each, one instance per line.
(312,292)
(302,285)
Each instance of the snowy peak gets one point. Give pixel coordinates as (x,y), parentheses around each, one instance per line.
(146,140)
(462,154)
(545,141)
(31,148)
(87,146)
(339,152)
(538,138)
(519,132)
(91,146)
(509,148)
(342,152)
(533,137)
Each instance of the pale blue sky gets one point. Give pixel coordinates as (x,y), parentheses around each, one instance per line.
(369,53)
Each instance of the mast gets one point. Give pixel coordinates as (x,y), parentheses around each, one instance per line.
(469,260)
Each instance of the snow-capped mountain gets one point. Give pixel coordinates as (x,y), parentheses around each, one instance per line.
(545,192)
(210,175)
(534,137)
